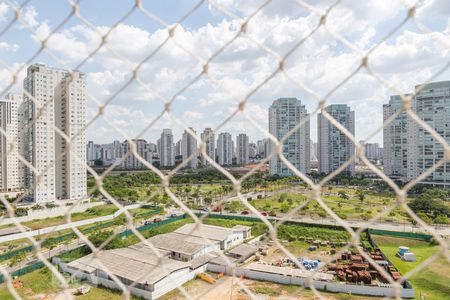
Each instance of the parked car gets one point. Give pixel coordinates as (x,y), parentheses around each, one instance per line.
(244,212)
(156,220)
(264,213)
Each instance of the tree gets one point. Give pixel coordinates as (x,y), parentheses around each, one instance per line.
(21,212)
(441,219)
(282,198)
(99,237)
(284,207)
(424,217)
(361,196)
(17,259)
(343,195)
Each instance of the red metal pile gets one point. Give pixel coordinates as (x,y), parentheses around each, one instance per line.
(354,268)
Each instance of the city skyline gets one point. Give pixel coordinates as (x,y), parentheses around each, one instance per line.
(150,148)
(418,54)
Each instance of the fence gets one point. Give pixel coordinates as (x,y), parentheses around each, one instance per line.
(71,235)
(24,270)
(325,51)
(125,233)
(400,234)
(129,232)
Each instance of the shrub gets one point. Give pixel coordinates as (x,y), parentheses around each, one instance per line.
(37,207)
(21,212)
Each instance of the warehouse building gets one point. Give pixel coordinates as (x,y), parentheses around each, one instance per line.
(185,253)
(183,247)
(225,237)
(140,269)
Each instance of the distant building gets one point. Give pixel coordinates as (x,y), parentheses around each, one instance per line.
(178,148)
(224,149)
(189,148)
(130,160)
(284,115)
(432,105)
(313,155)
(373,151)
(154,148)
(253,151)
(11,168)
(335,148)
(242,149)
(208,138)
(90,152)
(263,148)
(395,139)
(167,150)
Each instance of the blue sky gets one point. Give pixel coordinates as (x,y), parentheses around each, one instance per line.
(407,58)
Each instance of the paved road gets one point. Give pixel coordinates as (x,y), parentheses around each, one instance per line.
(382,226)
(60,227)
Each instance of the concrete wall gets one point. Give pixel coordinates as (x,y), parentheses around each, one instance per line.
(49,212)
(174,280)
(321,285)
(234,239)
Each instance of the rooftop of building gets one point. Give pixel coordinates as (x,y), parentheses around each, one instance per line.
(243,250)
(179,242)
(140,265)
(433,85)
(241,227)
(210,232)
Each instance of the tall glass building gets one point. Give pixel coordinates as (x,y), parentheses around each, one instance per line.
(432,105)
(395,139)
(284,115)
(335,148)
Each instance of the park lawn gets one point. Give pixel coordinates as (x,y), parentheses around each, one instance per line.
(101,293)
(34,283)
(267,204)
(433,281)
(352,209)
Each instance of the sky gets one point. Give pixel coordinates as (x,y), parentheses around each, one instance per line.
(243,66)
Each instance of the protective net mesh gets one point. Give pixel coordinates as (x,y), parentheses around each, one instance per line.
(244,24)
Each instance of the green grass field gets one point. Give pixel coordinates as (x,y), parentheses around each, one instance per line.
(35,283)
(351,208)
(432,282)
(94,212)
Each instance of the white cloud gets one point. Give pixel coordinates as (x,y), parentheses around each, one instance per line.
(321,62)
(4,9)
(192,115)
(9,47)
(28,16)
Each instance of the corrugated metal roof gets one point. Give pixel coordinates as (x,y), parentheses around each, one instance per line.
(141,266)
(179,243)
(213,233)
(244,250)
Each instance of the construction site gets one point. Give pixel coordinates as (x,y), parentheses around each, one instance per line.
(214,253)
